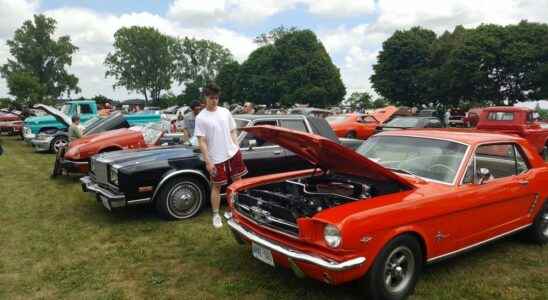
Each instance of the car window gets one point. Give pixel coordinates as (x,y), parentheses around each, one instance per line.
(84,109)
(500,116)
(259,142)
(298,125)
(502,160)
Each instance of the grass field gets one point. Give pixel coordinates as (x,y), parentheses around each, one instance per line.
(58,242)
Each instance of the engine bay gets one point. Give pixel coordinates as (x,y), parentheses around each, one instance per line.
(282,203)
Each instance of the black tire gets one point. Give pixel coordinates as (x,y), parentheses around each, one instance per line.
(351,135)
(392,277)
(57,143)
(538,232)
(181,198)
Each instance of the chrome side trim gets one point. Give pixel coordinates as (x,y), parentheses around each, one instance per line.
(176,173)
(431,260)
(138,201)
(294,254)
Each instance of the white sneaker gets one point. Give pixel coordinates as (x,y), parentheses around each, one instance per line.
(217,221)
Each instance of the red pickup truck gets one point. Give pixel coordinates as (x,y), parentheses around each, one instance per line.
(516,120)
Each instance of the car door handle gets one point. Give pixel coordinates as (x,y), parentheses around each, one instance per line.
(523,182)
(277,152)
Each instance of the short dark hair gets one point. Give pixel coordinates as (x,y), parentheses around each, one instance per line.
(212,89)
(75,118)
(195,103)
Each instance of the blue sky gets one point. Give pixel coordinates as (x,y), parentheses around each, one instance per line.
(352,30)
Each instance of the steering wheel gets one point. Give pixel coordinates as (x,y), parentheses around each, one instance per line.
(451,170)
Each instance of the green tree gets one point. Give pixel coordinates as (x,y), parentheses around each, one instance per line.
(228,80)
(359,100)
(37,71)
(294,69)
(192,92)
(142,61)
(274,35)
(199,61)
(403,69)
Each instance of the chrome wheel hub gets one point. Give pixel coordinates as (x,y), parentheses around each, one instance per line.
(59,144)
(185,199)
(544,222)
(399,269)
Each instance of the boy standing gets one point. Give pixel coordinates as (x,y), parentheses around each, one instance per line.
(216,132)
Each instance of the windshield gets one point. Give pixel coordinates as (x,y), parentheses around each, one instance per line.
(66,109)
(240,124)
(335,119)
(428,158)
(404,122)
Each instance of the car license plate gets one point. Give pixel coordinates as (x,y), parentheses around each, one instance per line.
(262,254)
(104,200)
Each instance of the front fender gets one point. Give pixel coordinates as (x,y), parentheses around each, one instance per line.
(175,173)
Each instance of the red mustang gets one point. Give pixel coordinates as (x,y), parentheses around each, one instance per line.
(403,199)
(360,126)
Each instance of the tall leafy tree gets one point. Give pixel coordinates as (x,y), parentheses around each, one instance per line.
(402,71)
(38,71)
(142,61)
(360,100)
(229,81)
(199,61)
(295,68)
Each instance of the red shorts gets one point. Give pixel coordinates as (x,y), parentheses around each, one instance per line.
(233,167)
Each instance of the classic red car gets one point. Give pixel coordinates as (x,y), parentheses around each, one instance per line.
(402,200)
(76,158)
(519,121)
(360,126)
(10,123)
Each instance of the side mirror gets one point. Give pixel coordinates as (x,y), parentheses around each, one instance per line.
(484,175)
(252,144)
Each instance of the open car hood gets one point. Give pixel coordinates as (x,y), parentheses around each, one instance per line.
(57,114)
(326,154)
(384,114)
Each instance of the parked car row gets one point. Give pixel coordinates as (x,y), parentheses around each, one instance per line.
(326,206)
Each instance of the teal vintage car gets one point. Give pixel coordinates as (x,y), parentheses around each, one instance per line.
(86,109)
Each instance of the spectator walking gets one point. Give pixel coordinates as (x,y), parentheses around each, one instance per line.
(189,120)
(216,132)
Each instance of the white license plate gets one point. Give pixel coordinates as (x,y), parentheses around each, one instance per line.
(262,254)
(104,200)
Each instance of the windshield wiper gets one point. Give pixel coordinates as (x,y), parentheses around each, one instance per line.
(404,171)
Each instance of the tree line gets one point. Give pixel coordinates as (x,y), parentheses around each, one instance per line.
(486,65)
(489,64)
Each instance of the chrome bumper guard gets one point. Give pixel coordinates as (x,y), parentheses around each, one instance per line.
(237,229)
(114,200)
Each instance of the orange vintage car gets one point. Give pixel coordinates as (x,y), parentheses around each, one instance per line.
(76,157)
(360,126)
(402,200)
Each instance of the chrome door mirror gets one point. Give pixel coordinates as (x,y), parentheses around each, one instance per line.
(484,175)
(252,144)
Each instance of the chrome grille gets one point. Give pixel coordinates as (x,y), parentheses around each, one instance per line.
(100,170)
(261,214)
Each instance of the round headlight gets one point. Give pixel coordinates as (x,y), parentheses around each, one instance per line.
(332,236)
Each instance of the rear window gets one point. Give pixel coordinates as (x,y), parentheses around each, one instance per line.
(500,116)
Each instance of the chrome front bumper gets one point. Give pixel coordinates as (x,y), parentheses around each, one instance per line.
(108,198)
(28,135)
(41,145)
(296,255)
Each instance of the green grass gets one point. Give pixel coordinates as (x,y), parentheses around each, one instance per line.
(58,242)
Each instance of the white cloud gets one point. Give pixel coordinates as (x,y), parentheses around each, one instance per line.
(341,8)
(248,12)
(14,13)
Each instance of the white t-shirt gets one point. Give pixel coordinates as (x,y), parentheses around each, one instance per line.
(215,126)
